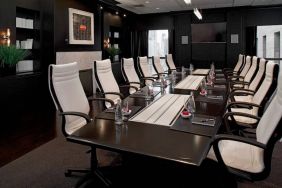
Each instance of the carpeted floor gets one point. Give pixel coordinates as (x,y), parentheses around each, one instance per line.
(44,168)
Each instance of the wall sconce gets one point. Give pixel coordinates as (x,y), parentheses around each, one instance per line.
(5,36)
(107,43)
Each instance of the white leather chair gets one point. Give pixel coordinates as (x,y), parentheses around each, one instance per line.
(71,102)
(251,158)
(242,74)
(144,69)
(170,63)
(157,66)
(252,87)
(129,74)
(249,76)
(240,63)
(107,83)
(253,104)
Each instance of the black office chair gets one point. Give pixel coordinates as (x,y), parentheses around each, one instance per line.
(251,158)
(71,102)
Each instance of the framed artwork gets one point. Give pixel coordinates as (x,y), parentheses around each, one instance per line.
(81,27)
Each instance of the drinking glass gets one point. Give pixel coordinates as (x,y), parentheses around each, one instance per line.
(203,87)
(149,92)
(191,107)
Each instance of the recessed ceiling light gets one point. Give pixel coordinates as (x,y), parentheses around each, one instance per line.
(124,15)
(116,12)
(147,2)
(157,8)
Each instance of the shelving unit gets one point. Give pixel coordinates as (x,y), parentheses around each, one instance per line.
(28,36)
(115,38)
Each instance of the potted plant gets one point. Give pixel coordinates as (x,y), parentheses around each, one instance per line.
(9,57)
(112,51)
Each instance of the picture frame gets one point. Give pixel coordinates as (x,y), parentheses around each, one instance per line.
(81,27)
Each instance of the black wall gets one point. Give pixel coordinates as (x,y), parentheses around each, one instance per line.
(223,54)
(61,29)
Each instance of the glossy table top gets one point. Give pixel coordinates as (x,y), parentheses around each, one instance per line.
(152,140)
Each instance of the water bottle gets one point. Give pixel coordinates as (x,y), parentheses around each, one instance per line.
(118,113)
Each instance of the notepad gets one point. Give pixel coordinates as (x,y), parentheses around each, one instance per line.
(208,120)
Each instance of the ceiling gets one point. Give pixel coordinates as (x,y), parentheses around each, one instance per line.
(158,6)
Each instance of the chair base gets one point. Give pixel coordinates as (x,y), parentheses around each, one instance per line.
(69,172)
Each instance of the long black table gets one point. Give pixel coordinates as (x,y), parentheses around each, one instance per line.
(185,146)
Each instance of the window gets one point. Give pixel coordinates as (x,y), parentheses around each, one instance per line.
(264,46)
(158,46)
(277,44)
(269,42)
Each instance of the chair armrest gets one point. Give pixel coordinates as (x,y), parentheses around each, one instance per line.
(242,104)
(115,93)
(149,78)
(243,89)
(232,114)
(238,93)
(245,140)
(135,83)
(85,116)
(239,82)
(235,76)
(129,86)
(101,99)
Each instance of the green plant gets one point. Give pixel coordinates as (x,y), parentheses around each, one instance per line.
(10,55)
(113,51)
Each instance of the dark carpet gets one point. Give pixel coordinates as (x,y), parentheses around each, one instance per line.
(44,168)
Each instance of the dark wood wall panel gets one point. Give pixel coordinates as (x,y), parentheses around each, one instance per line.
(182,52)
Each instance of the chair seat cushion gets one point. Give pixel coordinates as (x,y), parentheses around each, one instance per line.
(240,156)
(75,125)
(243,119)
(247,98)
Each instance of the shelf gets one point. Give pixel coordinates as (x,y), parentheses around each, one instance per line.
(28,27)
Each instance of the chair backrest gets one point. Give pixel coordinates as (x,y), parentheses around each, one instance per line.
(143,66)
(252,70)
(240,63)
(269,129)
(268,85)
(129,73)
(156,60)
(68,94)
(260,74)
(169,61)
(105,79)
(246,66)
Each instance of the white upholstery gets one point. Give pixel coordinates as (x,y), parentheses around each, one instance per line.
(157,64)
(162,111)
(250,72)
(105,80)
(254,84)
(246,67)
(130,74)
(257,98)
(247,157)
(70,94)
(239,63)
(144,68)
(170,62)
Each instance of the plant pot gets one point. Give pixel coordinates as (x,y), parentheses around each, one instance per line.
(6,71)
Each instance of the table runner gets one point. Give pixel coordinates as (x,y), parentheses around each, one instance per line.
(201,71)
(190,82)
(163,111)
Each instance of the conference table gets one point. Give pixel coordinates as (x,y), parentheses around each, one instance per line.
(181,141)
